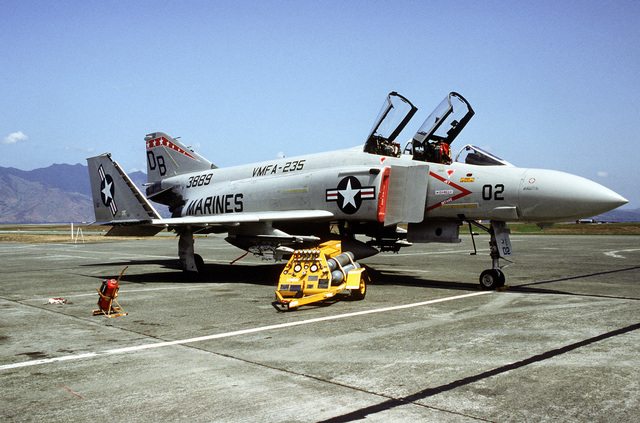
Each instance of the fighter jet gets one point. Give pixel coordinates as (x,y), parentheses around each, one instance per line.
(379,197)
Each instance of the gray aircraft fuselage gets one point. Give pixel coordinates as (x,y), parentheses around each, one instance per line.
(311,182)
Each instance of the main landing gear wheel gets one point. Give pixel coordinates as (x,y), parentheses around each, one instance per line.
(492,279)
(199,268)
(199,263)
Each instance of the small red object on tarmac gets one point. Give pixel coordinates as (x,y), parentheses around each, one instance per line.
(108,293)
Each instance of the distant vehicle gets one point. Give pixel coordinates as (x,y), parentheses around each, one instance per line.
(274,207)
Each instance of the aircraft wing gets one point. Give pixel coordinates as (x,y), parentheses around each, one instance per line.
(242,218)
(152,227)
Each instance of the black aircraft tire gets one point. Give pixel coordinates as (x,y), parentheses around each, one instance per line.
(199,263)
(502,279)
(359,294)
(491,279)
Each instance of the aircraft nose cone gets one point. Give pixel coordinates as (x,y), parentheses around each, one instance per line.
(552,196)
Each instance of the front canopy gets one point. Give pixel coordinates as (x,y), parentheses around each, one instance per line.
(393,117)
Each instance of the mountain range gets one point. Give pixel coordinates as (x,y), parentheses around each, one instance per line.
(61,193)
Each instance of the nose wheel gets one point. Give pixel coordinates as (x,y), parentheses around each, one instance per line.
(500,248)
(492,279)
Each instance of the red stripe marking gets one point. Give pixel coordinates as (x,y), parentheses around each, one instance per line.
(163,141)
(382,198)
(464,192)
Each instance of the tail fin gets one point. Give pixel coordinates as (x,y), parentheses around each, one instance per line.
(168,157)
(116,199)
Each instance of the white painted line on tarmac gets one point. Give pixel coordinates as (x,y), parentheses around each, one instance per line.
(11,246)
(56,257)
(235,333)
(615,254)
(110,257)
(125,291)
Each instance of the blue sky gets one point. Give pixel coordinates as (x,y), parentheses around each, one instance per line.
(554,83)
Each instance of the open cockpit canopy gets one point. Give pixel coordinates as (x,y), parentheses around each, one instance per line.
(432,141)
(396,112)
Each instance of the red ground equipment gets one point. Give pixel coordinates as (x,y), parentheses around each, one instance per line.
(108,293)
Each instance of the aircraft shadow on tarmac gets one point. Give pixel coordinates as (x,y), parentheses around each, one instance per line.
(261,274)
(536,287)
(388,277)
(268,275)
(258,274)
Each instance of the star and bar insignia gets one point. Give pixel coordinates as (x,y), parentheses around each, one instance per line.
(107,191)
(349,194)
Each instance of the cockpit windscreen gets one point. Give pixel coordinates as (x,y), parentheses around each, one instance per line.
(470,154)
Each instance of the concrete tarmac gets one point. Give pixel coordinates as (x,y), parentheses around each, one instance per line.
(562,343)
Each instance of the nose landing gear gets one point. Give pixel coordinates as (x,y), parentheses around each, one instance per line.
(500,249)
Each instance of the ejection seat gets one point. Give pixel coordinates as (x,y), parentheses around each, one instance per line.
(432,142)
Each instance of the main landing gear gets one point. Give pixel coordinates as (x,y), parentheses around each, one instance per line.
(189,261)
(500,249)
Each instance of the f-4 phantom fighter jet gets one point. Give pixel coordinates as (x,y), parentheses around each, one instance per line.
(394,195)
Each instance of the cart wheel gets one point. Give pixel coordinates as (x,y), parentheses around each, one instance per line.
(358,294)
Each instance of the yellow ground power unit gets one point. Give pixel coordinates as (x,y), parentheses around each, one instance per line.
(318,274)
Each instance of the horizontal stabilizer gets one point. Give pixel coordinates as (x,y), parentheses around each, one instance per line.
(134,230)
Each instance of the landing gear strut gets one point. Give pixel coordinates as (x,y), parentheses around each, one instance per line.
(189,261)
(500,248)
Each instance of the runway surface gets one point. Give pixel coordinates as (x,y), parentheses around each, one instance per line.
(562,343)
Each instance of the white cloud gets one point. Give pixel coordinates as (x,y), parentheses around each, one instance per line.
(15,138)
(602,174)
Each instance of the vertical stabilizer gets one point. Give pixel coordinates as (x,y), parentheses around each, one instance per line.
(167,157)
(115,197)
